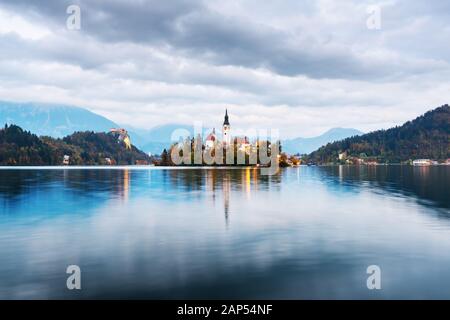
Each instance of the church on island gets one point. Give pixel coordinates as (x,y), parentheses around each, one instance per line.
(242,143)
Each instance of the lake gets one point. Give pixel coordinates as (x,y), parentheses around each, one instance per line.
(304,233)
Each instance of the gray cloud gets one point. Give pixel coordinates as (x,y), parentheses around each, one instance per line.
(193,56)
(191,28)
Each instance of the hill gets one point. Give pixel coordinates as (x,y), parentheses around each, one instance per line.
(307,145)
(52,120)
(57,121)
(19,147)
(427,136)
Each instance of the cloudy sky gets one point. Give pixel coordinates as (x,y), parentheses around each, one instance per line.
(300,66)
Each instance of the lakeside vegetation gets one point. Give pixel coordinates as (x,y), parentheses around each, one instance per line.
(19,147)
(427,136)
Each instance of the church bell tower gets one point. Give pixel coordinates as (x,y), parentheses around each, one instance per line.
(226,136)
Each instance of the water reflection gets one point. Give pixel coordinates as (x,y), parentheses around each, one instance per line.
(428,184)
(226,198)
(306,232)
(126,185)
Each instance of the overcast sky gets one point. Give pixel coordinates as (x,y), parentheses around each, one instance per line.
(300,66)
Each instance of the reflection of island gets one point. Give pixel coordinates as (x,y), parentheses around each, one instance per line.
(226,198)
(246,182)
(223,182)
(214,184)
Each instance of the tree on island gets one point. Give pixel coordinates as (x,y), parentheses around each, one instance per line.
(165,158)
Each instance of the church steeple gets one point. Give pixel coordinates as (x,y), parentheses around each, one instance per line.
(226,137)
(226,122)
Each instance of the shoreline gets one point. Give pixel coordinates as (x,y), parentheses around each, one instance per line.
(147,167)
(120,167)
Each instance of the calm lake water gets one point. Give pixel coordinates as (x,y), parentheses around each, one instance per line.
(307,232)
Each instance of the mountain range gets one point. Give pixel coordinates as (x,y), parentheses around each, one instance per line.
(308,145)
(52,120)
(58,121)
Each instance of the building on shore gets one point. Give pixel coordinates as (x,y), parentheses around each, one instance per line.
(66,160)
(342,155)
(422,162)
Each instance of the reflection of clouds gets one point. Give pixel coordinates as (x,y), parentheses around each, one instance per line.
(161,247)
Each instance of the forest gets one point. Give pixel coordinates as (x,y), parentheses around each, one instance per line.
(20,147)
(427,136)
